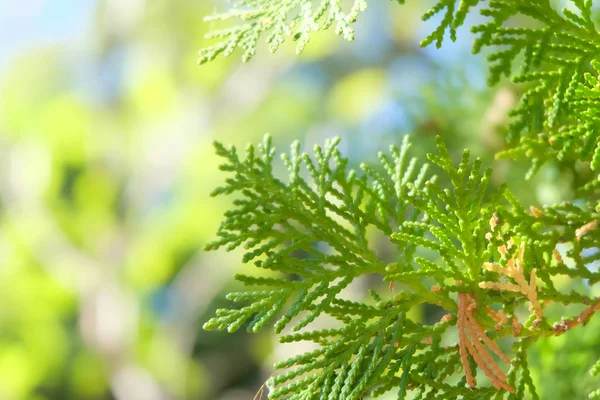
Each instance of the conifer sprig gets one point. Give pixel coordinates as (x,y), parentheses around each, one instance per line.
(314,235)
(279,19)
(557,116)
(312,232)
(315,232)
(455,13)
(486,255)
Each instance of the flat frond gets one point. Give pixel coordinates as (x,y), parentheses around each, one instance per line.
(277,20)
(312,232)
(557,115)
(455,12)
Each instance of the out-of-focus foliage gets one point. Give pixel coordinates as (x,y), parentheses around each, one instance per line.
(299,18)
(279,18)
(107,164)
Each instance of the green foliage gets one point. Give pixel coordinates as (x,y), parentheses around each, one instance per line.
(280,19)
(557,116)
(314,233)
(299,229)
(454,17)
(298,18)
(595,371)
(314,236)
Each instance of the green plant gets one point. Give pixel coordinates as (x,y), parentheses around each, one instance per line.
(475,252)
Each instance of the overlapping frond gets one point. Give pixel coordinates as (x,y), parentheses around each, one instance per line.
(457,218)
(479,247)
(557,62)
(572,225)
(277,20)
(313,234)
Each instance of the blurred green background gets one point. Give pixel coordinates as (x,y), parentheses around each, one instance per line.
(106,165)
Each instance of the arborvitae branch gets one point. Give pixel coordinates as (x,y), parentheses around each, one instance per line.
(313,235)
(557,117)
(279,19)
(312,231)
(276,20)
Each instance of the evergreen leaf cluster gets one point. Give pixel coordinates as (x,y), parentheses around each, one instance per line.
(490,262)
(557,63)
(279,19)
(315,235)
